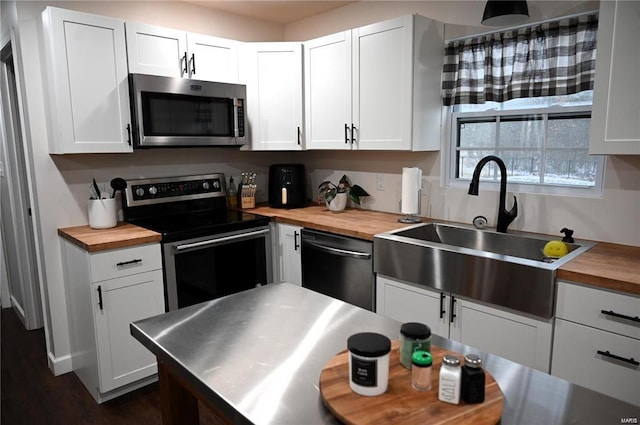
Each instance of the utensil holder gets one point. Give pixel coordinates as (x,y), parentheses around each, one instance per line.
(102,213)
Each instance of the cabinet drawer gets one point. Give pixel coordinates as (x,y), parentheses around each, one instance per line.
(576,359)
(126,261)
(600,309)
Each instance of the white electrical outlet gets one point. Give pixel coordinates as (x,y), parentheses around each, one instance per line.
(380,182)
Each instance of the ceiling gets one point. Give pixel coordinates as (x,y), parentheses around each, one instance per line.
(281,12)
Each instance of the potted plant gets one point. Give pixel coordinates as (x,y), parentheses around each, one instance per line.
(336,196)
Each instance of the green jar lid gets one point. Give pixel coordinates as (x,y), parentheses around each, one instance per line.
(421,358)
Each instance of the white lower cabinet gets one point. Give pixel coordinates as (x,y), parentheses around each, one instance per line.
(106,291)
(597,340)
(289,267)
(521,339)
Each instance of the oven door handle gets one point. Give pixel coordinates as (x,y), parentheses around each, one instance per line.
(338,251)
(216,241)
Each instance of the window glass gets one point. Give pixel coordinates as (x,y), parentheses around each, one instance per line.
(542,141)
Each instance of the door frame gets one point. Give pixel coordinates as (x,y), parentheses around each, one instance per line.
(17,171)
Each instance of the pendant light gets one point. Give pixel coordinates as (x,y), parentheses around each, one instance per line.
(498,13)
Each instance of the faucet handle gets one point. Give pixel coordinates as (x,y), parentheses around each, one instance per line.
(513,212)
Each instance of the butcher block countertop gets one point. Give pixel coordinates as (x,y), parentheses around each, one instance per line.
(606,265)
(363,224)
(121,236)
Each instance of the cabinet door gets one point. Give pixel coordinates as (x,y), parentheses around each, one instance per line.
(118,302)
(578,357)
(615,119)
(289,260)
(156,50)
(408,303)
(382,84)
(87,81)
(328,92)
(212,58)
(511,336)
(273,75)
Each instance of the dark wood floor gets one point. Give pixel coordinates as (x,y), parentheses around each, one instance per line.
(32,395)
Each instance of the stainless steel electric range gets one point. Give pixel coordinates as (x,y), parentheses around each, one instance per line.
(208,250)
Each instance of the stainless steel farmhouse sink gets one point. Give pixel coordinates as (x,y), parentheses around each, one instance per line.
(505,269)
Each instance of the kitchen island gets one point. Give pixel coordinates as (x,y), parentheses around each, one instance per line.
(255,357)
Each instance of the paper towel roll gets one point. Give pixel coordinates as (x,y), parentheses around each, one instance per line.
(411,183)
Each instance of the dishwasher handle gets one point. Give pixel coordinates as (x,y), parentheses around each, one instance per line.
(338,251)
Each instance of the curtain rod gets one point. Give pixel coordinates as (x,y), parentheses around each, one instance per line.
(531,24)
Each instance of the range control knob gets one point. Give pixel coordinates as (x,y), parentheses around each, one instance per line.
(140,191)
(206,185)
(153,190)
(216,184)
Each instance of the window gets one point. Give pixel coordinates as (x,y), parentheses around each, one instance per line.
(525,95)
(543,141)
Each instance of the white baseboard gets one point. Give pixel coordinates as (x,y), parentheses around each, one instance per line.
(60,365)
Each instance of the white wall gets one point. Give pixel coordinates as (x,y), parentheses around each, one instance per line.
(62,181)
(614,217)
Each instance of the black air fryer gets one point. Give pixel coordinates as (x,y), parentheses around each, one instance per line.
(287,186)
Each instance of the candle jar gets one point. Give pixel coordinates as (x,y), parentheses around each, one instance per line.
(413,336)
(368,363)
(421,370)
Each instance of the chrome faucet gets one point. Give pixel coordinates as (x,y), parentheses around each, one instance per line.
(504,217)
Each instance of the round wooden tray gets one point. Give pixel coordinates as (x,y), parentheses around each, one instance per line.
(401,404)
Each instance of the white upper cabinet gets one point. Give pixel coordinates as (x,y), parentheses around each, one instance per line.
(273,75)
(169,52)
(328,91)
(86,81)
(376,87)
(615,118)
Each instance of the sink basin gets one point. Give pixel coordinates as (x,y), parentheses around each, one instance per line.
(505,269)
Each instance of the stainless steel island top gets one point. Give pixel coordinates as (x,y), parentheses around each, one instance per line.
(257,356)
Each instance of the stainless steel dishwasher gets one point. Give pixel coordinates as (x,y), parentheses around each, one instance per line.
(338,266)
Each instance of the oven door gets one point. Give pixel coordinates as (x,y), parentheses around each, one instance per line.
(206,268)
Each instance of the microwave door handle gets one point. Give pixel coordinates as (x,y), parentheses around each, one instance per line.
(236,131)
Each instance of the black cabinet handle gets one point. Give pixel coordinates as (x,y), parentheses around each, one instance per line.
(442,310)
(353,133)
(124,263)
(129,134)
(452,314)
(299,141)
(622,359)
(193,63)
(620,316)
(346,133)
(296,245)
(100,297)
(184,59)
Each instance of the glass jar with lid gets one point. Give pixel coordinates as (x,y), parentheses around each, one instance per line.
(413,337)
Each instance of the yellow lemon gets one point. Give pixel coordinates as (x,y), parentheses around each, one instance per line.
(555,249)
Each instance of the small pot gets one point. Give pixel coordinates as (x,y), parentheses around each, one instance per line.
(338,203)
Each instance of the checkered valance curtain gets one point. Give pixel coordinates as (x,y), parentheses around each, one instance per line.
(549,59)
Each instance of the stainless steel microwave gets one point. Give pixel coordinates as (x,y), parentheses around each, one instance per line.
(179,112)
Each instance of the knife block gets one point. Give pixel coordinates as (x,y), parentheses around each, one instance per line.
(248,202)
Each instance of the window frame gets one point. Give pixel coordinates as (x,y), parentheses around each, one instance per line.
(519,187)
